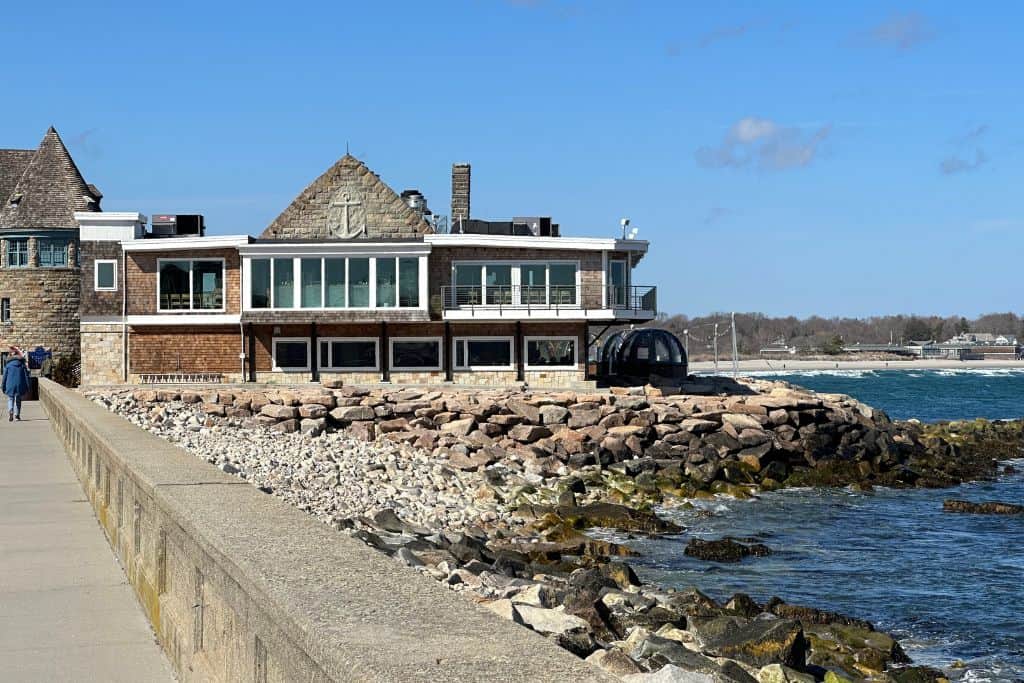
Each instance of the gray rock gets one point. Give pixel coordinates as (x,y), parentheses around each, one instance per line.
(550,621)
(670,673)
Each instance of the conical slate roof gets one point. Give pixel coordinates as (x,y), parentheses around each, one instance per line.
(48,189)
(349,201)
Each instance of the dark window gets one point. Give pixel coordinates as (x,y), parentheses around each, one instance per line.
(348,354)
(551,352)
(291,354)
(174,285)
(5,310)
(106,275)
(493,353)
(53,253)
(207,285)
(416,354)
(17,253)
(260,274)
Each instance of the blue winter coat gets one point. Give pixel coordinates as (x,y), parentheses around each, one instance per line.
(16,381)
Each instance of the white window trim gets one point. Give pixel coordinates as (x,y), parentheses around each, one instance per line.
(96,275)
(575,352)
(422,268)
(484,368)
(273,354)
(391,353)
(329,368)
(517,279)
(190,309)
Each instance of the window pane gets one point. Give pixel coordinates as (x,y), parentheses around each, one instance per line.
(260,273)
(534,280)
(359,282)
(208,285)
(386,282)
(335,282)
(105,275)
(551,352)
(563,283)
(617,282)
(17,253)
(409,282)
(353,354)
(291,355)
(499,284)
(174,293)
(468,279)
(312,285)
(416,354)
(284,283)
(486,353)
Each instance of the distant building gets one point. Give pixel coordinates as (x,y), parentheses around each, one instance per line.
(974,346)
(41,190)
(777,348)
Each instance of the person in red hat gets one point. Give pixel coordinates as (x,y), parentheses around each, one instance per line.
(15,383)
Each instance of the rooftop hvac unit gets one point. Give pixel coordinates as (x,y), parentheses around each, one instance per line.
(178,225)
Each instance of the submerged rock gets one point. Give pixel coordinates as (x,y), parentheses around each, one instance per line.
(987,508)
(724,550)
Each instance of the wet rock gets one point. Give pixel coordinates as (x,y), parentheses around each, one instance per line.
(986,508)
(724,550)
(755,642)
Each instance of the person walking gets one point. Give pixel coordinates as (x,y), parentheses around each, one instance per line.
(15,383)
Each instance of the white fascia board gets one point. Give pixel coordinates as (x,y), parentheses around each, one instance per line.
(521,242)
(339,248)
(567,315)
(187,243)
(195,319)
(109,217)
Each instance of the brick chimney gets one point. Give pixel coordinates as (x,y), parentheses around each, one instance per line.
(460,192)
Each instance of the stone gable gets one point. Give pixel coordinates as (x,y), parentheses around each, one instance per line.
(349,201)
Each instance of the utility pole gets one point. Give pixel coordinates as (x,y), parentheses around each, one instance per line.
(716,347)
(735,354)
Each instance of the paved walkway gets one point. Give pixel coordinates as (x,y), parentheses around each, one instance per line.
(67,612)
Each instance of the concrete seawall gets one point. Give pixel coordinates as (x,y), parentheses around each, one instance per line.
(239,586)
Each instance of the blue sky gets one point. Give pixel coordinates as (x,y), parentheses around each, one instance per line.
(791,158)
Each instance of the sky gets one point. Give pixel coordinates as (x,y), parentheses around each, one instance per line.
(793,158)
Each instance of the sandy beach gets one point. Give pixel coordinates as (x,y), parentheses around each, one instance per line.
(796,365)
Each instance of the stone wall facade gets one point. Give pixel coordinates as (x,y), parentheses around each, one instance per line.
(44,308)
(102,353)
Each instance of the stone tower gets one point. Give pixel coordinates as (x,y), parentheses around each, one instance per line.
(40,191)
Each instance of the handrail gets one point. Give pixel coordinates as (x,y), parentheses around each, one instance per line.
(636,298)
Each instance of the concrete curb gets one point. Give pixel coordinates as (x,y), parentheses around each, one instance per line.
(240,586)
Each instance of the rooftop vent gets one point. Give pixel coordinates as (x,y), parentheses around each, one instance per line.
(415,200)
(178,225)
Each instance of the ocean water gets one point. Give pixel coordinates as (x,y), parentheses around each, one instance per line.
(950,586)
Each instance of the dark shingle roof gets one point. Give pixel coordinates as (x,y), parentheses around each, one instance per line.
(348,194)
(48,190)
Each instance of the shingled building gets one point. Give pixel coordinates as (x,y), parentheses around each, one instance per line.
(352,282)
(40,192)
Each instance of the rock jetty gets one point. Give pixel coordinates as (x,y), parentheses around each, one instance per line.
(492,494)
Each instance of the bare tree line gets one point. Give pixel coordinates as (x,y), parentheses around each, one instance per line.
(757,330)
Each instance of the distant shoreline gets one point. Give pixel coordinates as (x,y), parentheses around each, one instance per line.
(783,365)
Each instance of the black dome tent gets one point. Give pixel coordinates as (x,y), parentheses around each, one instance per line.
(646,354)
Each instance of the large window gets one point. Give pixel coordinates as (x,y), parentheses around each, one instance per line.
(416,353)
(17,253)
(53,253)
(349,354)
(260,283)
(547,353)
(484,353)
(618,275)
(105,275)
(191,285)
(291,354)
(334,282)
(510,284)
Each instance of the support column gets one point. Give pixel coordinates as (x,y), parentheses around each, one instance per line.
(314,353)
(385,356)
(251,352)
(519,351)
(446,352)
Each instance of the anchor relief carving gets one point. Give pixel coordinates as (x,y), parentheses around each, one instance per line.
(346,218)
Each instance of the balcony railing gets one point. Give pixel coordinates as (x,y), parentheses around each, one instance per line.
(635,299)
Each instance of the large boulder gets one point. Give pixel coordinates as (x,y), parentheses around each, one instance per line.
(986,508)
(279,412)
(525,433)
(756,642)
(460,427)
(724,550)
(352,413)
(526,411)
(549,621)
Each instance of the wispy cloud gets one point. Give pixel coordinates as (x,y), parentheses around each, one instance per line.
(722,33)
(902,31)
(764,144)
(957,164)
(961,160)
(716,214)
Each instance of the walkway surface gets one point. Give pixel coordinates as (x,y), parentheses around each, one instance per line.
(67,612)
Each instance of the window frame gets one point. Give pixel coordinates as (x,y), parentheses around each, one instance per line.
(612,262)
(10,250)
(391,354)
(551,337)
(48,245)
(96,275)
(516,284)
(191,285)
(331,368)
(483,368)
(5,310)
(292,340)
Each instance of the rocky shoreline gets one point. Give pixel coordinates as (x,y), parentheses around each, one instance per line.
(492,493)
